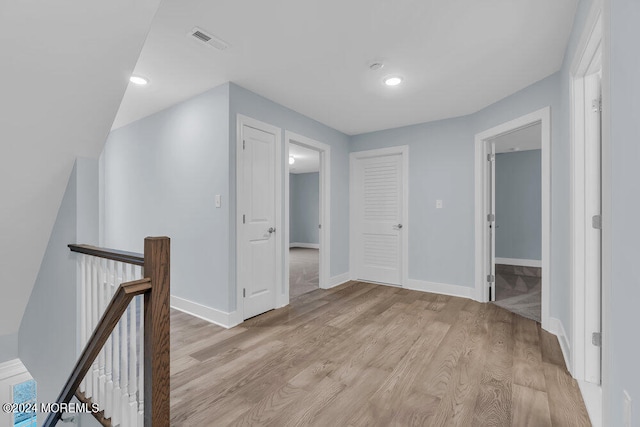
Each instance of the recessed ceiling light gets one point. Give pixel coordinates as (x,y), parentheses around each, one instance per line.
(137,80)
(393,81)
(292,160)
(374,66)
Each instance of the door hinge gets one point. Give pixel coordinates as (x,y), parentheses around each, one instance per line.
(319,226)
(491,157)
(596,222)
(244,219)
(596,339)
(243,144)
(596,105)
(244,293)
(491,278)
(491,217)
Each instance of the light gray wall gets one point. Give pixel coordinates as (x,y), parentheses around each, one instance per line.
(625,207)
(8,347)
(304,207)
(441,167)
(519,205)
(48,344)
(243,101)
(441,160)
(161,175)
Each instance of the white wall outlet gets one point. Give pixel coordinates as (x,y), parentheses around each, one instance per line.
(438,204)
(218,201)
(627,409)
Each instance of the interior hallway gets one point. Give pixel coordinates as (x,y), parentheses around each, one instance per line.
(364,354)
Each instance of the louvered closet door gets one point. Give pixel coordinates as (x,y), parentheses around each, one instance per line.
(379,220)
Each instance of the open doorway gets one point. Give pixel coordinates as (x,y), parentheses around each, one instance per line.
(307,227)
(518,221)
(304,220)
(511,137)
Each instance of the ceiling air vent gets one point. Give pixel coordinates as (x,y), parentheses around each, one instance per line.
(209,39)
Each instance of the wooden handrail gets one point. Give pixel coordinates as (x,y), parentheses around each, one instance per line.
(116,308)
(156,290)
(114,254)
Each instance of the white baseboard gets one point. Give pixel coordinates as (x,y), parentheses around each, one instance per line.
(520,262)
(592,396)
(556,328)
(11,368)
(441,288)
(220,318)
(339,280)
(305,245)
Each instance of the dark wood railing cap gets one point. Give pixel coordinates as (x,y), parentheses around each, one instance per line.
(114,254)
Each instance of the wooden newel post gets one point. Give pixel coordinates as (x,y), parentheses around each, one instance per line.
(156,332)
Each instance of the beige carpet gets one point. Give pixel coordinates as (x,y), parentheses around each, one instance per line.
(518,289)
(303,271)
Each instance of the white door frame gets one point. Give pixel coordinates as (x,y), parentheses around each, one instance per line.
(241,121)
(403,150)
(325,209)
(542,116)
(587,60)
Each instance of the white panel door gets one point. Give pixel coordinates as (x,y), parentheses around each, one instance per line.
(257,273)
(379,205)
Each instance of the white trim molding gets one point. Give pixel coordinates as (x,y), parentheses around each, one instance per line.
(587,60)
(11,368)
(441,288)
(592,396)
(519,262)
(339,280)
(211,315)
(304,245)
(557,328)
(542,116)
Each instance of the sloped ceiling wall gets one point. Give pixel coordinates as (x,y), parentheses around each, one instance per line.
(65,66)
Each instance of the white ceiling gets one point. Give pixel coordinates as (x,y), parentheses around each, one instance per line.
(529,138)
(61,86)
(306,160)
(456,56)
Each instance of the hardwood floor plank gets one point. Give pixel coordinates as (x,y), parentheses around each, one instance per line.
(363,354)
(530,407)
(493,405)
(565,402)
(550,348)
(527,355)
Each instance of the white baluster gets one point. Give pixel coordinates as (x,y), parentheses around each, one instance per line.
(117,391)
(108,404)
(102,379)
(88,319)
(133,358)
(94,322)
(124,363)
(141,363)
(82,315)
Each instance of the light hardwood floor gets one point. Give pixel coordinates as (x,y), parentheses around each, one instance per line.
(365,355)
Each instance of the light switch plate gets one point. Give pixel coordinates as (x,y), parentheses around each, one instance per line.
(438,204)
(218,201)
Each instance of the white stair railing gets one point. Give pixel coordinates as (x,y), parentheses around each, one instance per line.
(115,381)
